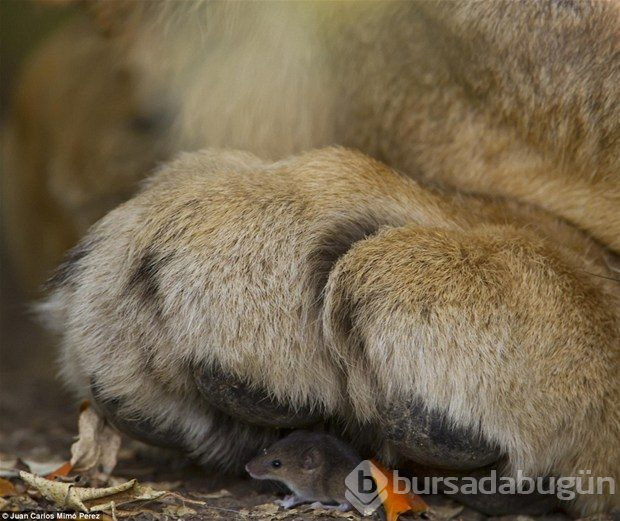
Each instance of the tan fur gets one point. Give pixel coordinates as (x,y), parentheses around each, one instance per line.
(497,324)
(502,98)
(487,292)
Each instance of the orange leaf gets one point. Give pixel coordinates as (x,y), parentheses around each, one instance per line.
(61,471)
(7,488)
(397,503)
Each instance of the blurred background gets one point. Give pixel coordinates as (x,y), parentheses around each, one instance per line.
(32,403)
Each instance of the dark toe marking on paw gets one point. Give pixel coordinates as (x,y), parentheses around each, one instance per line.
(142,429)
(71,264)
(238,400)
(427,437)
(144,279)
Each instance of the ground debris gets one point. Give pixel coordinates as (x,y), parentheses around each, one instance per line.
(273,512)
(445,511)
(178,510)
(95,452)
(89,499)
(18,503)
(214,495)
(11,466)
(7,488)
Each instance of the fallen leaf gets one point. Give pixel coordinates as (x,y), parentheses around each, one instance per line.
(214,495)
(184,499)
(10,466)
(7,488)
(144,492)
(267,508)
(67,495)
(178,510)
(41,468)
(90,499)
(396,503)
(96,450)
(163,485)
(61,471)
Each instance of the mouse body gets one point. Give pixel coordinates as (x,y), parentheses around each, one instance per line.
(313,465)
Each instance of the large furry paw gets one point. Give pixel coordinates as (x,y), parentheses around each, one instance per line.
(231,298)
(494,330)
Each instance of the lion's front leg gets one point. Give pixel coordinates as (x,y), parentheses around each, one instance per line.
(493,331)
(231,298)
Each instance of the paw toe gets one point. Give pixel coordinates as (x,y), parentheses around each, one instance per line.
(141,429)
(427,437)
(238,400)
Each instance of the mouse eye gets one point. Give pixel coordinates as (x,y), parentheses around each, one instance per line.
(276,463)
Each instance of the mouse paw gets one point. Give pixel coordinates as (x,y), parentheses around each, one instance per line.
(341,507)
(290,501)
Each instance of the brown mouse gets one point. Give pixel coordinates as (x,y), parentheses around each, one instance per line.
(313,465)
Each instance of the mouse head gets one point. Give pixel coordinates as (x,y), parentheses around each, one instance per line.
(289,458)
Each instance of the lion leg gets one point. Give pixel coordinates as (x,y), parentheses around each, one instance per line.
(494,330)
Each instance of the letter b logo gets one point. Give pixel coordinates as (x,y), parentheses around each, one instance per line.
(366,484)
(366,488)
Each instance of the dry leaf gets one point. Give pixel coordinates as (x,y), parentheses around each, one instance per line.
(67,495)
(395,503)
(267,508)
(7,488)
(162,485)
(96,450)
(178,510)
(87,499)
(143,492)
(214,495)
(41,468)
(60,472)
(10,466)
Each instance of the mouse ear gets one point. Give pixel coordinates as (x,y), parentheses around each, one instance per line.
(311,458)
